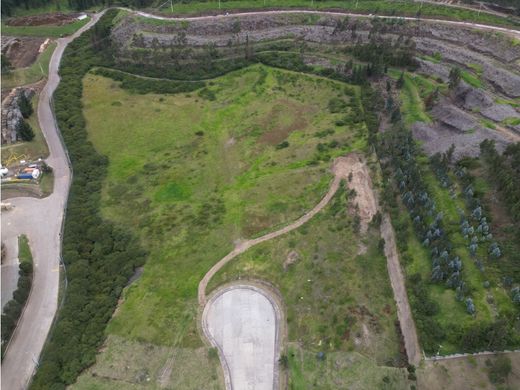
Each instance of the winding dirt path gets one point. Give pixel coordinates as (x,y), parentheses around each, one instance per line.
(341,170)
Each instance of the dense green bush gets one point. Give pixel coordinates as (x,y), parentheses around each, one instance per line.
(142,85)
(13,308)
(25,105)
(99,257)
(25,131)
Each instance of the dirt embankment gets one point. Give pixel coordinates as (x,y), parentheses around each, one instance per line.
(21,51)
(491,59)
(355,169)
(53,19)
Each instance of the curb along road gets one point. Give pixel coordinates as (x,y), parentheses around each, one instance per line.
(41,220)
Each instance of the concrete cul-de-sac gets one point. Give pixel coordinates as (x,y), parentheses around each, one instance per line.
(242,323)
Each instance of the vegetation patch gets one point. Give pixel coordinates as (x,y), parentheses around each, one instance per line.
(30,75)
(324,282)
(44,31)
(13,309)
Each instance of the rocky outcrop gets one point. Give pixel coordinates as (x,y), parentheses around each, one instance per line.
(438,138)
(477,100)
(454,118)
(11,115)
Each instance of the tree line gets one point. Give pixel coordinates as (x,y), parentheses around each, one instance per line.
(99,256)
(13,309)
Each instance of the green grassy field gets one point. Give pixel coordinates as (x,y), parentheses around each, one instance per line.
(24,251)
(412,105)
(191,173)
(44,31)
(336,299)
(31,74)
(340,370)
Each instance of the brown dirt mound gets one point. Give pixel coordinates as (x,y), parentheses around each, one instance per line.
(23,51)
(55,19)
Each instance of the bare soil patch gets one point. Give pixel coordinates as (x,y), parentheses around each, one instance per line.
(281,131)
(54,19)
(469,372)
(21,52)
(354,168)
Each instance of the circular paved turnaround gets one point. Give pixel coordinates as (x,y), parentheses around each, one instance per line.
(242,322)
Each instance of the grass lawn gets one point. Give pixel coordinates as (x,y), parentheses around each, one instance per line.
(335,298)
(340,370)
(190,176)
(128,364)
(24,251)
(28,151)
(30,74)
(44,31)
(413,107)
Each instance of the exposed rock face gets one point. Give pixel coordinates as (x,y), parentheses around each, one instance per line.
(439,138)
(454,117)
(460,117)
(11,115)
(478,100)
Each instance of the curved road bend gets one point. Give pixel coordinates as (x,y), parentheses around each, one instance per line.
(242,322)
(511,32)
(40,220)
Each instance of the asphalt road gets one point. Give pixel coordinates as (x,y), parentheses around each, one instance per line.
(511,32)
(40,220)
(242,322)
(9,268)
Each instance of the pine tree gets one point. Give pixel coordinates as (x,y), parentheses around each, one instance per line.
(25,106)
(455,76)
(400,81)
(25,131)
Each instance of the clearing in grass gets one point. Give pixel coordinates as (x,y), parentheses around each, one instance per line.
(192,173)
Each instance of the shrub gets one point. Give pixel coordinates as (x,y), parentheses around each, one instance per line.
(25,131)
(499,369)
(25,106)
(282,145)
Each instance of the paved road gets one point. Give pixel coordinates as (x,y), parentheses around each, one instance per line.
(242,322)
(511,32)
(9,268)
(40,220)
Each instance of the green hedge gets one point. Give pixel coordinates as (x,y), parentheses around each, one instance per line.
(136,84)
(13,308)
(100,258)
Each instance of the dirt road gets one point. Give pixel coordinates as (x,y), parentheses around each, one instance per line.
(41,221)
(341,171)
(404,313)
